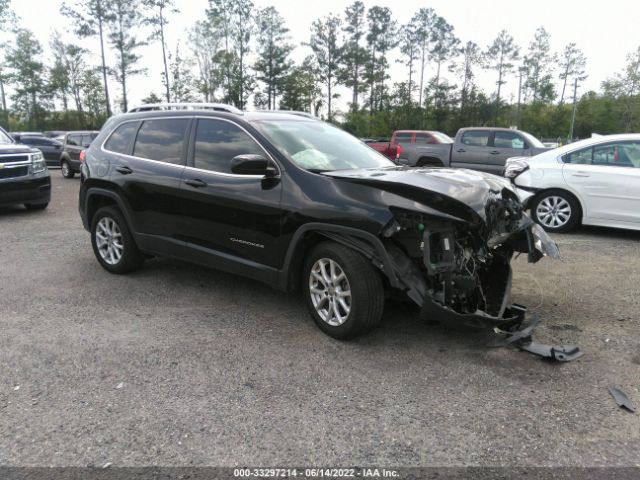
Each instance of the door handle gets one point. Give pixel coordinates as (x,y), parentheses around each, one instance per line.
(495,152)
(461,150)
(195,183)
(580,174)
(123,169)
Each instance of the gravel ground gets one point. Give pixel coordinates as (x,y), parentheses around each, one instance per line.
(179,365)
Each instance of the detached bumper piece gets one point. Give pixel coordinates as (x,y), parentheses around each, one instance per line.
(520,337)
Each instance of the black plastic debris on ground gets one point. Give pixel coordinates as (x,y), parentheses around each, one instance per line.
(521,338)
(621,399)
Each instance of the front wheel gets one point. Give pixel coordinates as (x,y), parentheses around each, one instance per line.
(555,211)
(343,291)
(65,168)
(112,242)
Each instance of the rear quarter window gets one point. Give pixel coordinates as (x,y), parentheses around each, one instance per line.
(121,139)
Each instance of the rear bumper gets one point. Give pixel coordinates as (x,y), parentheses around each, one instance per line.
(28,189)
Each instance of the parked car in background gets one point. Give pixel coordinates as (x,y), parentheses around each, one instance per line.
(24,177)
(74,144)
(50,148)
(298,203)
(484,149)
(401,139)
(55,133)
(594,182)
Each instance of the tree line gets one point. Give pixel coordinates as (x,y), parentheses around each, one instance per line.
(237,53)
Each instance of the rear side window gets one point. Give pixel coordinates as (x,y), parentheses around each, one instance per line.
(476,138)
(423,138)
(74,140)
(217,142)
(122,137)
(404,138)
(161,140)
(86,140)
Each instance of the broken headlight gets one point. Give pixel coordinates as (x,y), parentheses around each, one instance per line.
(515,168)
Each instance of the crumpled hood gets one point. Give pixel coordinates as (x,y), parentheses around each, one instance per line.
(430,185)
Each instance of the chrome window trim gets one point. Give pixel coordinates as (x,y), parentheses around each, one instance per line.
(189,117)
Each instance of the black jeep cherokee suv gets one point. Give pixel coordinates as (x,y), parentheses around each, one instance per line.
(297,203)
(24,177)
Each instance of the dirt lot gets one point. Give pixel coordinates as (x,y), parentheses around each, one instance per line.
(179,365)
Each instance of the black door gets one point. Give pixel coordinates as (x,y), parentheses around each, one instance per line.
(148,174)
(231,221)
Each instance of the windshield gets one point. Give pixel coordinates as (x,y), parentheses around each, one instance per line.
(533,141)
(5,138)
(318,146)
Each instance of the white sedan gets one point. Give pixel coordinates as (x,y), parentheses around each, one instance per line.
(594,182)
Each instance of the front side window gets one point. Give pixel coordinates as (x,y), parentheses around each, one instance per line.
(122,137)
(161,140)
(508,140)
(476,138)
(217,142)
(620,154)
(319,146)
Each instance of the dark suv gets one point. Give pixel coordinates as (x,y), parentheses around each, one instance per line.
(298,203)
(50,148)
(74,144)
(24,177)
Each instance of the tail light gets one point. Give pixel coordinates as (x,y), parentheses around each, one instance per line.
(82,153)
(398,151)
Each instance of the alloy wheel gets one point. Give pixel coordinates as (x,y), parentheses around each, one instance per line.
(109,240)
(553,211)
(330,291)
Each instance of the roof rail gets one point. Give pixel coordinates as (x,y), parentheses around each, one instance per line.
(218,107)
(293,112)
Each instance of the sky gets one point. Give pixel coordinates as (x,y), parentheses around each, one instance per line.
(606,32)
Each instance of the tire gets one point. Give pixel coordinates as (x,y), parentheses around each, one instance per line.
(112,242)
(365,302)
(65,168)
(556,210)
(36,206)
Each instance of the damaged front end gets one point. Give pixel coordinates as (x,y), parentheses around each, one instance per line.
(459,271)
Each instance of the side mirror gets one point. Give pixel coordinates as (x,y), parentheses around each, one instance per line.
(250,164)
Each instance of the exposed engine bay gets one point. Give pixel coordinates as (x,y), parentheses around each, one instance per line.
(460,270)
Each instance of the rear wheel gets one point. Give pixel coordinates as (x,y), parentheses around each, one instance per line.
(67,171)
(555,211)
(112,242)
(344,293)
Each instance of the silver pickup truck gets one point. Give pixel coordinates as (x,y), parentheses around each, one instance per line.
(482,148)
